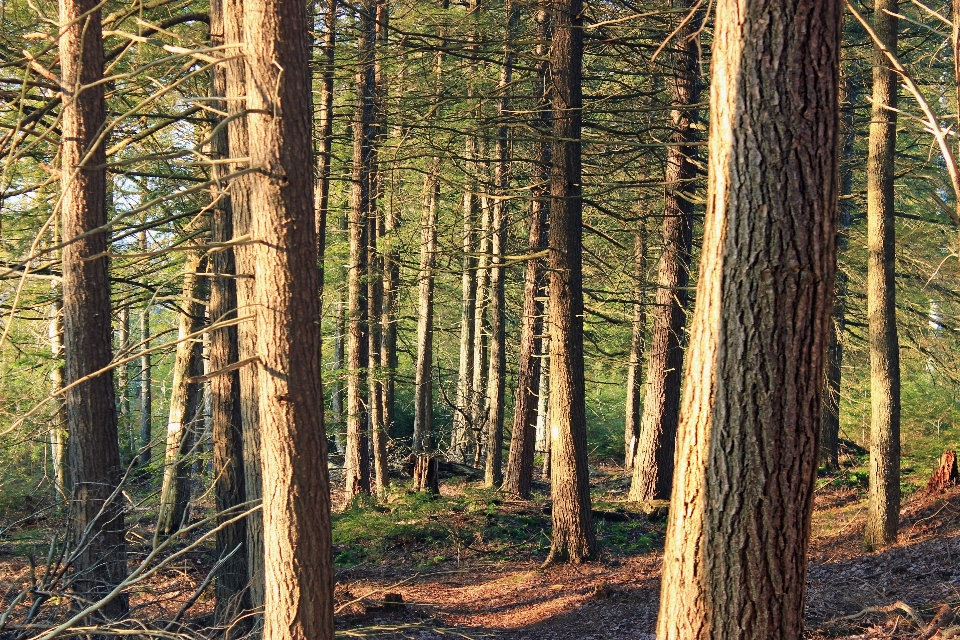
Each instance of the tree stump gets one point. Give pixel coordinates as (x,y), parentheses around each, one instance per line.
(425,476)
(946,475)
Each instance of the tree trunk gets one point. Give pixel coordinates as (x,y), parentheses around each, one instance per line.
(245,262)
(497,376)
(99,555)
(325,146)
(336,394)
(357,458)
(59,435)
(185,405)
(653,461)
(463,418)
(631,431)
(519,475)
(461,436)
(232,596)
(146,377)
(830,418)
(298,580)
(955,40)
(574,539)
(425,469)
(883,512)
(478,408)
(543,402)
(123,387)
(735,558)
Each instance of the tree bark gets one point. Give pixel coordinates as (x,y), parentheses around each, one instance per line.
(478,396)
(574,538)
(298,559)
(97,527)
(463,418)
(357,458)
(245,262)
(739,525)
(232,596)
(653,462)
(325,135)
(883,512)
(497,376)
(425,470)
(519,474)
(631,431)
(185,408)
(830,418)
(59,434)
(123,386)
(336,394)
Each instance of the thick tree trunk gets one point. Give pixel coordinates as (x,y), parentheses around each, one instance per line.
(633,405)
(519,474)
(883,512)
(653,461)
(357,458)
(425,470)
(232,596)
(245,262)
(830,418)
(739,525)
(146,377)
(497,376)
(185,408)
(298,580)
(574,539)
(99,556)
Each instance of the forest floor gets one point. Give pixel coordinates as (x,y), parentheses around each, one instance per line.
(495,587)
(468,564)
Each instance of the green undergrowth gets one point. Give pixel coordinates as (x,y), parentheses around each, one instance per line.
(421,529)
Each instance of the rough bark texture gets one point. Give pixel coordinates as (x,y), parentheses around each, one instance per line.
(298,580)
(357,457)
(232,596)
(245,262)
(653,461)
(185,407)
(519,473)
(633,404)
(98,548)
(830,418)
(574,538)
(946,475)
(883,512)
(739,524)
